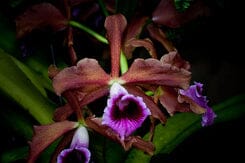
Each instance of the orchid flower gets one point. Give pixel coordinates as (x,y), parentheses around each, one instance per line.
(89,79)
(124,112)
(78,151)
(198,102)
(128,104)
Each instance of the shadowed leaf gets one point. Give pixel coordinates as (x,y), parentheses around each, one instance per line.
(14,155)
(8,40)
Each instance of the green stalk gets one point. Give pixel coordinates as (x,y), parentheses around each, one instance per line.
(103,8)
(88,30)
(123,63)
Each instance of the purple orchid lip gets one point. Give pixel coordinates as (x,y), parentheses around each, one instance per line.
(77,154)
(194,92)
(124,112)
(78,151)
(208,117)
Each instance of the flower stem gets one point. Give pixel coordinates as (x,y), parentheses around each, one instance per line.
(103,8)
(88,30)
(123,63)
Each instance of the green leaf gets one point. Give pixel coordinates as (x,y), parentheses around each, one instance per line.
(182,5)
(126,7)
(17,86)
(182,125)
(8,39)
(36,80)
(114,152)
(96,146)
(13,155)
(21,153)
(17,121)
(39,63)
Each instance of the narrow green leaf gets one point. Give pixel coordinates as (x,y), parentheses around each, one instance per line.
(17,86)
(103,7)
(182,125)
(39,64)
(38,81)
(89,31)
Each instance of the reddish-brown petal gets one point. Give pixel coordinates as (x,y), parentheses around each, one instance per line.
(39,16)
(64,142)
(146,43)
(192,104)
(77,2)
(45,135)
(137,142)
(168,97)
(174,59)
(94,95)
(87,73)
(62,113)
(115,26)
(133,31)
(152,71)
(157,34)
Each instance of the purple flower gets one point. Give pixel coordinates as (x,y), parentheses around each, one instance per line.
(194,92)
(208,117)
(124,112)
(78,151)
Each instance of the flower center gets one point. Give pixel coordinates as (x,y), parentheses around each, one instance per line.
(75,156)
(126,109)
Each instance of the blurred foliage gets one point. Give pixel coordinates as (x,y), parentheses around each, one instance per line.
(182,5)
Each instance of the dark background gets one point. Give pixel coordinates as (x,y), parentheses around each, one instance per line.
(214,48)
